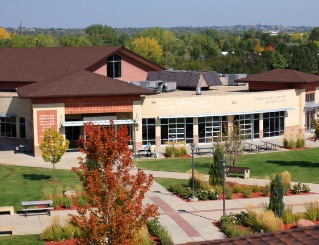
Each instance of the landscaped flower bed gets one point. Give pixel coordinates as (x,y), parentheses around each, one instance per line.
(234,191)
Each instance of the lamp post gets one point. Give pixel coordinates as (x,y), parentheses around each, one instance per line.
(193,198)
(223,163)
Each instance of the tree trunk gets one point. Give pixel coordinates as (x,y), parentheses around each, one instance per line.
(53,171)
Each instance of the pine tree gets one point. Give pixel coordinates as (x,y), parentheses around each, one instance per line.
(215,171)
(277,190)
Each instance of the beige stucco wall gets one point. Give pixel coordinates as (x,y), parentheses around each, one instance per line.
(11,104)
(227,104)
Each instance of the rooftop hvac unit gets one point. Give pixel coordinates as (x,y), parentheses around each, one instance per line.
(169,86)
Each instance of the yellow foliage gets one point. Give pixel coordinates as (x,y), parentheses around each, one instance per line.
(148,48)
(4,34)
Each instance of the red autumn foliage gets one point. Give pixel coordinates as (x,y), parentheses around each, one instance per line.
(118,213)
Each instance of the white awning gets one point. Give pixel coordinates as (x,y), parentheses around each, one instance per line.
(311,105)
(7,115)
(101,122)
(228,114)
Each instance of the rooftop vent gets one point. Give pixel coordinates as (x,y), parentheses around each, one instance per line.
(198,90)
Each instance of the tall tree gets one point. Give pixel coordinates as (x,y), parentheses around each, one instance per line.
(117,195)
(4,34)
(148,48)
(53,147)
(102,35)
(215,171)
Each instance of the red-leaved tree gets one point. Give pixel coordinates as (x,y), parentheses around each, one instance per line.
(116,213)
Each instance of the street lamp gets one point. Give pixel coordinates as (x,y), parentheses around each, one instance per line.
(223,163)
(193,198)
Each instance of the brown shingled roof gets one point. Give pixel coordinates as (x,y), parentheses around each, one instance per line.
(80,83)
(281,76)
(36,64)
(305,235)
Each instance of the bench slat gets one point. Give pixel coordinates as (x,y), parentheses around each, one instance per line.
(35,209)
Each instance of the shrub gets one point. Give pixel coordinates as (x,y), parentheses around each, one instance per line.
(204,185)
(199,179)
(82,200)
(54,232)
(268,221)
(247,192)
(256,188)
(276,203)
(230,224)
(300,142)
(175,149)
(176,188)
(47,193)
(291,143)
(296,188)
(229,193)
(67,202)
(237,188)
(213,194)
(266,190)
(215,171)
(291,218)
(143,237)
(305,188)
(285,142)
(312,211)
(156,229)
(286,181)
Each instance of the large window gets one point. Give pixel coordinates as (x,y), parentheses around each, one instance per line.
(8,127)
(176,129)
(114,68)
(210,128)
(274,123)
(148,131)
(249,125)
(22,127)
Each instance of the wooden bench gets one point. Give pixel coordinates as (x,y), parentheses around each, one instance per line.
(238,170)
(8,230)
(9,209)
(44,205)
(204,149)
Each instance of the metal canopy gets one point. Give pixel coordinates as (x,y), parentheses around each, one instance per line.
(7,115)
(228,114)
(311,105)
(98,122)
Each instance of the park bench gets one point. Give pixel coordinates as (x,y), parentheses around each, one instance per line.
(7,230)
(200,149)
(9,209)
(36,206)
(238,170)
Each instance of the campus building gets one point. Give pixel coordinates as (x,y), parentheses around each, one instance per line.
(65,87)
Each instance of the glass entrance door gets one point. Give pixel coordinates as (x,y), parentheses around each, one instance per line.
(309,116)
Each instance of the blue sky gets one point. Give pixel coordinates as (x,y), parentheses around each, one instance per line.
(162,13)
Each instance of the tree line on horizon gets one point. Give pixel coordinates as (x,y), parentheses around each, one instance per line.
(248,52)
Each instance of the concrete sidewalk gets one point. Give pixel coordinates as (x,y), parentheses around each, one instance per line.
(185,221)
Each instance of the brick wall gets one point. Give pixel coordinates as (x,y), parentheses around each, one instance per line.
(87,105)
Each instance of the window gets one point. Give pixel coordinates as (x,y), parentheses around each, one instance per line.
(310,97)
(148,131)
(8,127)
(22,127)
(210,128)
(176,129)
(274,124)
(114,68)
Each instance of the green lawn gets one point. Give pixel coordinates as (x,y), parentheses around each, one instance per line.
(27,183)
(21,240)
(303,165)
(167,181)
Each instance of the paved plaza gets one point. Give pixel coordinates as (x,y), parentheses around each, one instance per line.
(185,221)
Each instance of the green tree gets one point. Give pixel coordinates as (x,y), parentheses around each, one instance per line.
(215,171)
(278,61)
(102,35)
(72,41)
(277,190)
(314,34)
(234,145)
(53,146)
